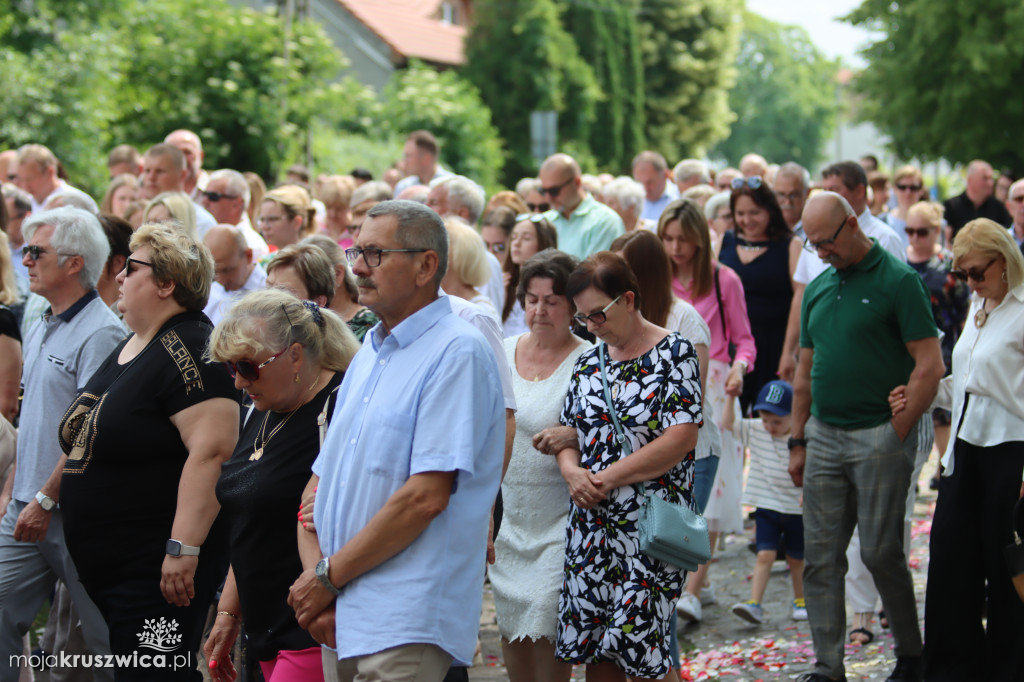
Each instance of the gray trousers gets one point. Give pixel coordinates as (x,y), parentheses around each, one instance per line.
(856,478)
(28,572)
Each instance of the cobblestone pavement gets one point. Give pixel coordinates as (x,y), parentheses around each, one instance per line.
(723,647)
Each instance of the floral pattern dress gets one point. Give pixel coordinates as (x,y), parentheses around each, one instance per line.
(616,603)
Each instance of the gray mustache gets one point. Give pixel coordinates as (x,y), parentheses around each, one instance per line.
(364,282)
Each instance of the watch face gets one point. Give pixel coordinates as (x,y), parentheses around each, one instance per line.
(174,548)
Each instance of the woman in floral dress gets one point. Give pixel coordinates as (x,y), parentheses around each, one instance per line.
(616,602)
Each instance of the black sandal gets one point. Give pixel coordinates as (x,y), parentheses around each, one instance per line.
(862,631)
(882,620)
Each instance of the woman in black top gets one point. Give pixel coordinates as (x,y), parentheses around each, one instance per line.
(10,336)
(764,253)
(145,443)
(289,357)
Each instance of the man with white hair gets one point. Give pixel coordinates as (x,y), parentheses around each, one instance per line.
(459,196)
(1015,199)
(792,183)
(753,164)
(65,255)
(977,201)
(651,170)
(690,173)
(192,147)
(37,175)
(625,196)
(227,198)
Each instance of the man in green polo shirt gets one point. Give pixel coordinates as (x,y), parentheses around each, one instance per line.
(866,327)
(584,225)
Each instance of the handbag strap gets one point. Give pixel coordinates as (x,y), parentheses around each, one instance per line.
(721,309)
(620,437)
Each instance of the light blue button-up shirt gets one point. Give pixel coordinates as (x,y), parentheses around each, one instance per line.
(653,209)
(425,398)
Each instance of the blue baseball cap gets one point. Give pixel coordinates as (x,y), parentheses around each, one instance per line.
(776,397)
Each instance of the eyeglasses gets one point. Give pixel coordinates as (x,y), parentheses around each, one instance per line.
(216,196)
(1018,199)
(496,248)
(249,370)
(267,219)
(34,251)
(824,243)
(789,196)
(917,231)
(911,188)
(372,256)
(753,182)
(128,269)
(538,208)
(553,191)
(978,275)
(597,318)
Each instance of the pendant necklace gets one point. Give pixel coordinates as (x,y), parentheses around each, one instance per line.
(262,440)
(981,317)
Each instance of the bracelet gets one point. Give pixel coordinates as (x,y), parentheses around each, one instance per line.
(228,613)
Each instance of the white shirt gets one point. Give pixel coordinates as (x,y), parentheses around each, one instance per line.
(253,239)
(988,364)
(221,299)
(810,266)
(685,319)
(64,188)
(204,221)
(495,287)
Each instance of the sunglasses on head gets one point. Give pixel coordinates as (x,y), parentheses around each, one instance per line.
(917,231)
(248,369)
(977,274)
(538,208)
(753,182)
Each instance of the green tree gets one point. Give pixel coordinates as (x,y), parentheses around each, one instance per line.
(689,47)
(606,33)
(785,95)
(943,81)
(522,60)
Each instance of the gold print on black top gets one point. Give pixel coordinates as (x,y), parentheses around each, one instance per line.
(78,432)
(183,359)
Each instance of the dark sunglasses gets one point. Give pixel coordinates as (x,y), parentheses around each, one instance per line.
(753,182)
(538,208)
(34,251)
(912,188)
(553,191)
(918,231)
(216,196)
(977,274)
(128,269)
(248,369)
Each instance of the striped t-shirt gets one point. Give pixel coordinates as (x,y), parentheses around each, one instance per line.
(768,483)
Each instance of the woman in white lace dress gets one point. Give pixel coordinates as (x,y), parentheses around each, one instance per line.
(530,548)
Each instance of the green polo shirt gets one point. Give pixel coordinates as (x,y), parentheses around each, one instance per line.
(591,227)
(858,322)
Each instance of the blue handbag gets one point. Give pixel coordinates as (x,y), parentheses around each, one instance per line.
(668,532)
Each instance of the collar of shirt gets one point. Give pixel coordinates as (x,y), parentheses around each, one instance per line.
(870,260)
(412,327)
(77,306)
(584,207)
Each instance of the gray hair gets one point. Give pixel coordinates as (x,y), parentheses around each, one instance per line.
(527,185)
(688,169)
(792,169)
(376,191)
(466,194)
(237,184)
(419,227)
(21,199)
(63,198)
(76,233)
(715,204)
(627,191)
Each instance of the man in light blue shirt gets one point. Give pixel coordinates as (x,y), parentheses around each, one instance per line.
(408,472)
(584,225)
(651,170)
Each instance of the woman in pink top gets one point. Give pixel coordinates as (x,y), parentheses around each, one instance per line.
(684,231)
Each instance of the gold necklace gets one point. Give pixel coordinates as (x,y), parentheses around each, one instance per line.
(257,451)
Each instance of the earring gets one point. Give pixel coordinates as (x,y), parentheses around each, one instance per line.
(1004,275)
(296,377)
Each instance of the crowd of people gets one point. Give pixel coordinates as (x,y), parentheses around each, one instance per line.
(289,431)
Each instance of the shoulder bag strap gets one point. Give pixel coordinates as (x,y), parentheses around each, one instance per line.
(721,308)
(324,420)
(619,435)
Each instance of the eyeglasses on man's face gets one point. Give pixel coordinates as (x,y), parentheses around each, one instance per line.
(824,243)
(214,197)
(554,191)
(35,252)
(371,256)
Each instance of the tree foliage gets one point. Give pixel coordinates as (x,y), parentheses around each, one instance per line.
(606,34)
(522,60)
(689,47)
(944,80)
(785,95)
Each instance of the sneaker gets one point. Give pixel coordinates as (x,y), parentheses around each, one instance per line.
(707,595)
(799,609)
(749,611)
(689,607)
(908,669)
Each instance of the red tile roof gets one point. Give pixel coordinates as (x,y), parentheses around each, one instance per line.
(411,29)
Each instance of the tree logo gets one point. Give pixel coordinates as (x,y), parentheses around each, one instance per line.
(159,635)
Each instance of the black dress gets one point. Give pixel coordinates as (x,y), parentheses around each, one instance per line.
(119,492)
(259,500)
(768,289)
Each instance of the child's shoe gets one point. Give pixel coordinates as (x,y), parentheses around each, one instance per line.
(799,609)
(749,611)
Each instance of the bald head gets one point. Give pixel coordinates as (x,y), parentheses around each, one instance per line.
(830,224)
(562,164)
(191,147)
(232,257)
(753,164)
(980,181)
(560,182)
(827,206)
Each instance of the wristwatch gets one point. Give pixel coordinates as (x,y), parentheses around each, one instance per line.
(796,443)
(323,570)
(177,548)
(45,501)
